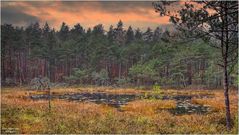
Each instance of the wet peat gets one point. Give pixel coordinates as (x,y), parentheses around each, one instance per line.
(184,105)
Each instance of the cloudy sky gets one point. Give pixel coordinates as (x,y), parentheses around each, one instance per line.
(88,14)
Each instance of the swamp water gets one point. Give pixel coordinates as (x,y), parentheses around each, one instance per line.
(184,105)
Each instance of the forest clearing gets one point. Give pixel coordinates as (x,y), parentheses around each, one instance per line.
(140,115)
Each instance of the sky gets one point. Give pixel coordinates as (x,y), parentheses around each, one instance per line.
(137,14)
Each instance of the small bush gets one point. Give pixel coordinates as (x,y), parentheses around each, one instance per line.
(101,78)
(9,82)
(122,81)
(39,83)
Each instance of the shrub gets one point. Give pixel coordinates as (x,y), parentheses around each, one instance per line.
(122,81)
(9,82)
(39,83)
(101,78)
(78,76)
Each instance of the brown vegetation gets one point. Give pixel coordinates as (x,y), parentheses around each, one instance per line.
(139,116)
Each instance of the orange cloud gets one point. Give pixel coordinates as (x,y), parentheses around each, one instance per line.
(90,14)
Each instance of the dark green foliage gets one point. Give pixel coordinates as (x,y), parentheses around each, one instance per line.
(78,76)
(138,34)
(117,57)
(129,35)
(64,32)
(100,78)
(148,35)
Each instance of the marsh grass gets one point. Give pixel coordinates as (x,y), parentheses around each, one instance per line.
(139,116)
(148,107)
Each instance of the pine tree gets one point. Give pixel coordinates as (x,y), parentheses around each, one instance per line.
(129,35)
(119,34)
(78,30)
(138,34)
(64,32)
(110,34)
(157,34)
(148,35)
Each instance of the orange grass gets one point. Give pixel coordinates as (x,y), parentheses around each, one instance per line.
(92,89)
(140,116)
(218,103)
(148,107)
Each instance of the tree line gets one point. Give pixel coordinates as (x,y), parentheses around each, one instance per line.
(116,56)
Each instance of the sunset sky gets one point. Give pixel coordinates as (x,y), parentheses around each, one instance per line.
(138,14)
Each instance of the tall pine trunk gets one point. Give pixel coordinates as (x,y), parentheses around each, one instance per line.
(3,75)
(226,95)
(189,73)
(225,84)
(51,70)
(120,67)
